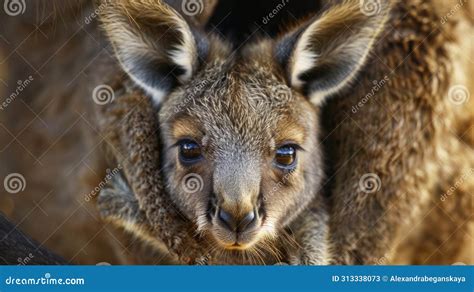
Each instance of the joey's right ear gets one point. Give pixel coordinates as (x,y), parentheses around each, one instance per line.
(156,47)
(323,56)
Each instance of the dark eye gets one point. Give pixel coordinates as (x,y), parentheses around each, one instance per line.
(285,156)
(189,151)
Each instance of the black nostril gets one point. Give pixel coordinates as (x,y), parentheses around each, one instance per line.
(234,224)
(228,220)
(246,221)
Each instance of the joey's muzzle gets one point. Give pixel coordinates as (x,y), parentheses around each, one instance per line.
(237,223)
(236,188)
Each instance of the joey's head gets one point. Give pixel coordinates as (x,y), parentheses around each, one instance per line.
(239,129)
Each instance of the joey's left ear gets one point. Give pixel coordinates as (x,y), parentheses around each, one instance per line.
(155,45)
(323,56)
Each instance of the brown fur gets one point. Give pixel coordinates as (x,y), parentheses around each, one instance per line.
(368,225)
(237,106)
(410,134)
(418,154)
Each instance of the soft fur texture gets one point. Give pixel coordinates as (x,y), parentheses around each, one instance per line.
(241,106)
(131,130)
(145,207)
(408,132)
(366,216)
(412,135)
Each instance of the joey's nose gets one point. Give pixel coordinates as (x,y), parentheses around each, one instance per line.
(236,224)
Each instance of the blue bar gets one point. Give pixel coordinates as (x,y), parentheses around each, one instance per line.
(237,278)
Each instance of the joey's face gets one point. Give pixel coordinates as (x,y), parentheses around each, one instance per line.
(239,129)
(241,153)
